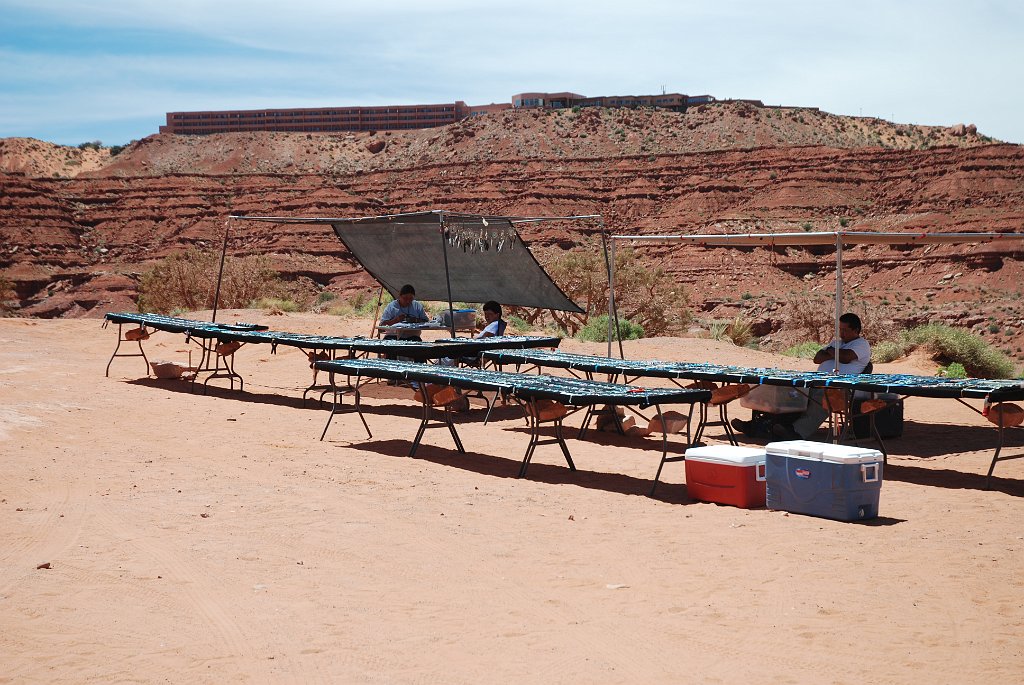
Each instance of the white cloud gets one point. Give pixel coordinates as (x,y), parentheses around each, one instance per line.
(921,62)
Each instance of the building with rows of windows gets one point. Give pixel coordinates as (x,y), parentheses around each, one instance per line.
(399,117)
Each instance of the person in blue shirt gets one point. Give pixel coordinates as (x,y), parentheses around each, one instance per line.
(404,310)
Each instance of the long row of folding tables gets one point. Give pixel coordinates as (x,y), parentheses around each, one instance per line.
(989,391)
(211,336)
(526,388)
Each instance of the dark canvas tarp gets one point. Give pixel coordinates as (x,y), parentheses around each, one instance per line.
(412,248)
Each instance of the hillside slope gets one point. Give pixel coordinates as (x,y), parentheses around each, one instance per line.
(76,247)
(527,134)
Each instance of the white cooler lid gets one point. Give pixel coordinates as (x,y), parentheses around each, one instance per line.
(806,449)
(727,454)
(845,454)
(823,451)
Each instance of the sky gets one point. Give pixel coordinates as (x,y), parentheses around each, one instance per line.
(86,70)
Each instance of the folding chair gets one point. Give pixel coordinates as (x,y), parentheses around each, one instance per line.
(838,402)
(721,396)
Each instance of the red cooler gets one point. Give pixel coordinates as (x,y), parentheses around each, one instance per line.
(726,474)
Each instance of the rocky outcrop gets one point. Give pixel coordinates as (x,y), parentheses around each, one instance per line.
(76,247)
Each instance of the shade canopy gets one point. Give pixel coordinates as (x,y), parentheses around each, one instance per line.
(837,239)
(824,238)
(479,257)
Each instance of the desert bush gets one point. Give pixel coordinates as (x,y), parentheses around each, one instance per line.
(805,350)
(949,346)
(716,330)
(813,315)
(596,330)
(645,296)
(954,370)
(8,298)
(740,332)
(890,350)
(518,324)
(362,304)
(275,305)
(188,280)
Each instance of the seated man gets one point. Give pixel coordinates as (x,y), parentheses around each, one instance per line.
(854,356)
(405,309)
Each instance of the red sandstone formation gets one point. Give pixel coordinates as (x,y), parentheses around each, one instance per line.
(76,246)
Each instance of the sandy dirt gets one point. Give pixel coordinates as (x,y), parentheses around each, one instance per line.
(214,538)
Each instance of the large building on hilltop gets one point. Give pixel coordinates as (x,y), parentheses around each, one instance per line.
(673,101)
(320,119)
(400,117)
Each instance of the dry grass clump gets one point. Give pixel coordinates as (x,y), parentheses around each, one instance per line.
(739,331)
(188,280)
(8,298)
(362,304)
(814,316)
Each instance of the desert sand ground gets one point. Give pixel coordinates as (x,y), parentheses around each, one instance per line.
(214,538)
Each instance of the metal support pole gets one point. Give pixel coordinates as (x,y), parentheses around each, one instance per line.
(447,276)
(613,314)
(836,342)
(220,271)
(376,312)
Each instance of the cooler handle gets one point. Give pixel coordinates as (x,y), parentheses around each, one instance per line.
(874,472)
(760,472)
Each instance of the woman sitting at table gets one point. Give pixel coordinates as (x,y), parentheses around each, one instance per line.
(495,324)
(404,310)
(495,327)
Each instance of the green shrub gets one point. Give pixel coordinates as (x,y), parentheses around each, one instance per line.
(596,330)
(954,370)
(518,324)
(362,304)
(890,350)
(947,346)
(274,304)
(805,350)
(324,297)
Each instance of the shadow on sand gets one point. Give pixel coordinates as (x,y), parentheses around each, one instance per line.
(925,441)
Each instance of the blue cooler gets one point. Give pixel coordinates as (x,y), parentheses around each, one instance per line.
(821,479)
